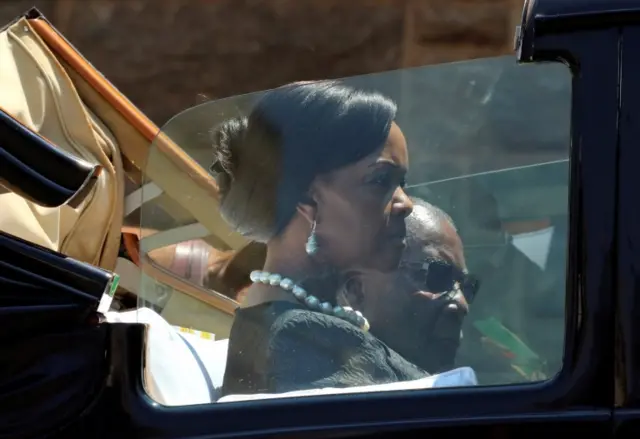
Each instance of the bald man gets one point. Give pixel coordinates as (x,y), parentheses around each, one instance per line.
(418,310)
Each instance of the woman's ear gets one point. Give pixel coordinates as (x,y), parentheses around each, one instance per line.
(307,207)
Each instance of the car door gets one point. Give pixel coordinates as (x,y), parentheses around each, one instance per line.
(499,146)
(627,404)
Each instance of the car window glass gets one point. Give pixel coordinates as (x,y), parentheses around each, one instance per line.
(477,287)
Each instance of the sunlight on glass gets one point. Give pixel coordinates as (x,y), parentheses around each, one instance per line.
(401,230)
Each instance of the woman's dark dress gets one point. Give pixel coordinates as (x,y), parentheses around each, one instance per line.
(281,346)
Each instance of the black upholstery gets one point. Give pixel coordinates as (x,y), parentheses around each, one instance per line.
(39,171)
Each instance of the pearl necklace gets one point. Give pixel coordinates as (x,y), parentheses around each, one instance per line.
(312,302)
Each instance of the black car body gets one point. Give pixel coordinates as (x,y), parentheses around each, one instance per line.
(100,390)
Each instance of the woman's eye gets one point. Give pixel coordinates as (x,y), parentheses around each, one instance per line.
(381,180)
(387,181)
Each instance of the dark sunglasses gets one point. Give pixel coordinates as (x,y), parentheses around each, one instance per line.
(437,276)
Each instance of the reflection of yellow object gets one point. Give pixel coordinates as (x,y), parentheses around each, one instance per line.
(519,370)
(535,375)
(201,334)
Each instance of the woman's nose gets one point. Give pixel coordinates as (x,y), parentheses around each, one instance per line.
(401,203)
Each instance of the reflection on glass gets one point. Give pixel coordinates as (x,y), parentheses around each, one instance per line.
(397,230)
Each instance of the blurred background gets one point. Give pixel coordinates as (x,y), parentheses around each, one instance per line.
(168,55)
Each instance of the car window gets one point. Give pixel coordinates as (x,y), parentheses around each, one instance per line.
(469,289)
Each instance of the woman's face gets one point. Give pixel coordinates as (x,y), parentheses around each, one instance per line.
(361,209)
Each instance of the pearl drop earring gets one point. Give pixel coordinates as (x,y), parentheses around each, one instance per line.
(312,243)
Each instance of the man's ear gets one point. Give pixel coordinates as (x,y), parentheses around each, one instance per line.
(351,293)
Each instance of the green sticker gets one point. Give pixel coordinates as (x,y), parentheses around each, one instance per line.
(493,329)
(114,284)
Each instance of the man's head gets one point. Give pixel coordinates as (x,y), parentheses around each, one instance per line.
(418,309)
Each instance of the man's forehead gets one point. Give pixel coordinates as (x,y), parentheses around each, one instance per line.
(423,219)
(428,251)
(432,238)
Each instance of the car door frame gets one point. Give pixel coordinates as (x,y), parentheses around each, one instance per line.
(627,404)
(578,400)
